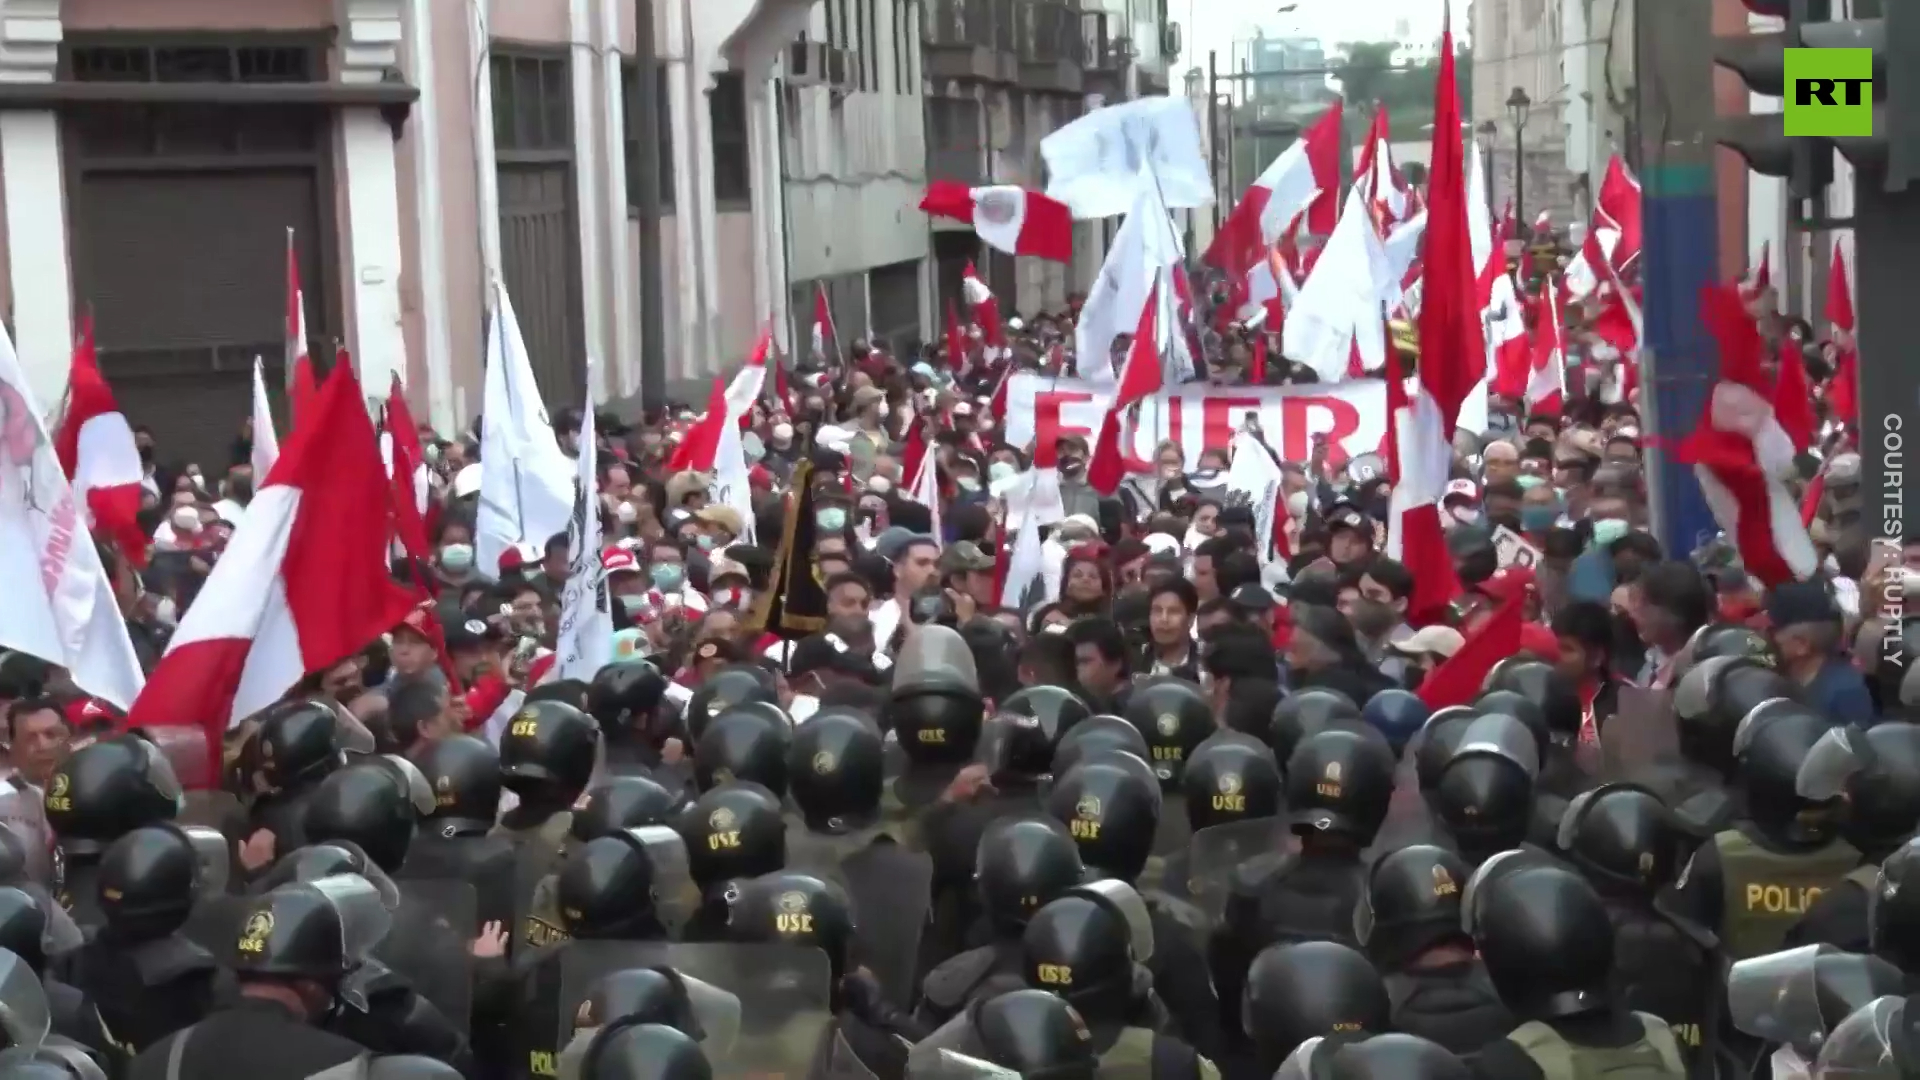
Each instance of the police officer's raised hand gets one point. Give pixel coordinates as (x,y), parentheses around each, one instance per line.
(258,849)
(673,752)
(492,942)
(969,784)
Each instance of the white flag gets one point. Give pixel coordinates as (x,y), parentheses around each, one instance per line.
(585,637)
(526,481)
(266,445)
(1255,476)
(60,606)
(1145,246)
(1096,163)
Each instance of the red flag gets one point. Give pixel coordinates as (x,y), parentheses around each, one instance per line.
(1141,378)
(1839,293)
(956,341)
(1843,393)
(1793,398)
(1009,219)
(301,385)
(408,475)
(97,451)
(1257,368)
(1458,679)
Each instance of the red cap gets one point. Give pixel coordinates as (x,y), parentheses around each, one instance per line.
(1508,584)
(616,560)
(511,559)
(1539,640)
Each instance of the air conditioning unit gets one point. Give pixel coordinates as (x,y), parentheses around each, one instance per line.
(807,63)
(843,70)
(1170,41)
(1122,50)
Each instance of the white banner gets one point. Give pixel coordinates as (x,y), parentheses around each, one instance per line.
(585,634)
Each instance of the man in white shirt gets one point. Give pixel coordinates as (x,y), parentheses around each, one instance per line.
(916,565)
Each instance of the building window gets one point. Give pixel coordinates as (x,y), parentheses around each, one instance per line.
(727,110)
(532,104)
(663,153)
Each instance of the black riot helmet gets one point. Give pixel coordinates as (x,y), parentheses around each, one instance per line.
(744,743)
(1723,639)
(1022,863)
(1711,700)
(624,802)
(1484,795)
(1174,717)
(409,1067)
(1396,714)
(296,743)
(735,684)
(316,929)
(1539,682)
(1111,811)
(1081,949)
(1543,934)
(836,771)
(1520,707)
(1396,1057)
(795,909)
(734,831)
(1093,736)
(376,803)
(105,791)
(1893,920)
(607,887)
(623,695)
(1307,990)
(1036,1034)
(549,752)
(150,878)
(1412,904)
(1895,686)
(647,995)
(23,927)
(1883,797)
(464,771)
(1623,838)
(1793,764)
(934,707)
(644,1052)
(1302,714)
(1339,782)
(1230,777)
(1437,741)
(1019,740)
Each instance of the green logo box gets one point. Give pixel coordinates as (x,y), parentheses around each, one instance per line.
(1829,92)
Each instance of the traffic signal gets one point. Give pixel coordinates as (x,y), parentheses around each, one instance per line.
(1760,61)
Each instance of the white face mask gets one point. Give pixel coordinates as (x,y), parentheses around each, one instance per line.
(164,613)
(1297,504)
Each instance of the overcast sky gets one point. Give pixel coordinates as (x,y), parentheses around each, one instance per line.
(1331,21)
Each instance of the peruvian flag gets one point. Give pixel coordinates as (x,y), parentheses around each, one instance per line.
(1007,218)
(302,585)
(1141,378)
(266,444)
(1303,180)
(1762,278)
(406,463)
(301,385)
(1742,455)
(1453,355)
(726,405)
(825,334)
(1547,379)
(922,470)
(1386,189)
(1620,201)
(986,309)
(97,452)
(956,341)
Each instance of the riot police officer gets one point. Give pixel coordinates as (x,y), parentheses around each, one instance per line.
(1036,1034)
(1086,947)
(547,758)
(1484,795)
(1883,811)
(935,711)
(1754,880)
(297,744)
(1306,713)
(1558,772)
(1175,718)
(146,977)
(746,742)
(294,945)
(1229,779)
(643,1052)
(624,699)
(1311,989)
(1396,1057)
(1396,714)
(1339,782)
(375,804)
(1548,946)
(625,802)
(99,794)
(1409,924)
(456,841)
(1019,865)
(23,932)
(734,684)
(1894,929)
(734,832)
(1709,702)
(1624,841)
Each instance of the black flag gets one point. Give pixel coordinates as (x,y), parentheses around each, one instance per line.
(796,603)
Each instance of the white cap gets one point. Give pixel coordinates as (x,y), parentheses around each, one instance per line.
(1016,323)
(783,431)
(1160,543)
(879,485)
(467,481)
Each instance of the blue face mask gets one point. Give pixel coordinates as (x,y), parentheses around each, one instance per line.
(1000,470)
(1528,482)
(704,541)
(456,558)
(832,519)
(1538,518)
(1607,530)
(667,575)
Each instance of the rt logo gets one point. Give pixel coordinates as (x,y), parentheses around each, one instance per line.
(1829,92)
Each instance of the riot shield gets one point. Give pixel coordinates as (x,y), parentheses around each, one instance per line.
(1299,1064)
(715,1013)
(1126,901)
(428,945)
(784,995)
(1219,849)
(1643,734)
(949,1065)
(210,809)
(1409,820)
(1776,997)
(212,856)
(1861,1046)
(24,1013)
(892,892)
(937,1056)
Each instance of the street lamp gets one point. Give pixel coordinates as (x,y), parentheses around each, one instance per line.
(1492,131)
(1518,103)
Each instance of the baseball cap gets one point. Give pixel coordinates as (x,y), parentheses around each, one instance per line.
(1462,489)
(827,653)
(965,556)
(1251,598)
(1441,641)
(724,516)
(1797,602)
(467,481)
(617,560)
(1345,515)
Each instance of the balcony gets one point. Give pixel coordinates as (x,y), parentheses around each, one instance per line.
(1108,52)
(1056,48)
(972,40)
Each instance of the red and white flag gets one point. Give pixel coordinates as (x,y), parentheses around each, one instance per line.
(1141,378)
(1843,392)
(302,585)
(1453,361)
(301,384)
(406,462)
(826,337)
(1620,201)
(1742,455)
(986,309)
(1007,218)
(99,456)
(266,443)
(1305,179)
(1547,381)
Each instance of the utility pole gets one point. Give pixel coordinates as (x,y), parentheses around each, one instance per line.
(1675,118)
(646,126)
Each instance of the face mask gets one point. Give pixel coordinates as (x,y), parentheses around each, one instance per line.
(634,604)
(186,521)
(732,596)
(884,410)
(752,447)
(1607,530)
(1297,504)
(1528,482)
(1466,515)
(667,575)
(1071,466)
(625,512)
(782,434)
(968,484)
(1000,470)
(704,542)
(457,558)
(1538,518)
(832,519)
(164,612)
